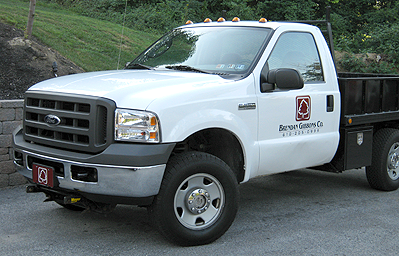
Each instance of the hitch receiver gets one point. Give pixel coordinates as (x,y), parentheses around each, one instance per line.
(33,189)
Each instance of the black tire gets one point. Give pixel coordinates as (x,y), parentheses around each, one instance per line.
(383,174)
(197,201)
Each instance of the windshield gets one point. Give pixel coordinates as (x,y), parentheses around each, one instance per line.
(219,50)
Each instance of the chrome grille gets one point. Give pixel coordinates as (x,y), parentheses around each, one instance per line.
(72,122)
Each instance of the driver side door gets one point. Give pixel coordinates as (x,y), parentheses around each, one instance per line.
(293,131)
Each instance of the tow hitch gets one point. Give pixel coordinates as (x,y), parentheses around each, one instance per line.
(71,201)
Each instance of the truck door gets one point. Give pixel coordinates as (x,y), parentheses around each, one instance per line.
(297,128)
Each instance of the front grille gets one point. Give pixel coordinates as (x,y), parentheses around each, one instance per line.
(72,122)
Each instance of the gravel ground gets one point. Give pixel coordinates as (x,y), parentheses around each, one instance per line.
(297,213)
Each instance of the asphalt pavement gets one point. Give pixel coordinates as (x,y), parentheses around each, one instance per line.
(296,213)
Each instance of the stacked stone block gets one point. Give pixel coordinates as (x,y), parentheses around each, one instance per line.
(10,118)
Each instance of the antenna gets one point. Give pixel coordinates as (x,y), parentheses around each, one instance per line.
(123,28)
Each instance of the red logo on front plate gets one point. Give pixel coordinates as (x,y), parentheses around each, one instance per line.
(302,108)
(43,175)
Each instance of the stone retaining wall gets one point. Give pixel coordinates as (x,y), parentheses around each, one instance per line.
(10,118)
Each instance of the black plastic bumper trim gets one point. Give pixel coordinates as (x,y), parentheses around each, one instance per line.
(117,154)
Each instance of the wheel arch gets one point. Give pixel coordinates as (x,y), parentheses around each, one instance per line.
(385,125)
(218,142)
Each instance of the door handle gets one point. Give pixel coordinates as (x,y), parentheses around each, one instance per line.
(330,103)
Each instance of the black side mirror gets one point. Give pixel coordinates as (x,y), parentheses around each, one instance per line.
(283,79)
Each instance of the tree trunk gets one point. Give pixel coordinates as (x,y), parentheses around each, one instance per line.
(29,26)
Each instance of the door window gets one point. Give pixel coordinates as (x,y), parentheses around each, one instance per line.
(297,50)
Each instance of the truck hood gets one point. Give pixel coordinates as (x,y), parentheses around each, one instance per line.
(129,88)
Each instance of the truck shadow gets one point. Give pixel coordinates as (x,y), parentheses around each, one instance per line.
(303,195)
(263,200)
(305,184)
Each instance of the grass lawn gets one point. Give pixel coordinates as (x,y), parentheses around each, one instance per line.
(91,43)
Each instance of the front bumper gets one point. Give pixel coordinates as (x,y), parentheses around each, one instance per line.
(122,170)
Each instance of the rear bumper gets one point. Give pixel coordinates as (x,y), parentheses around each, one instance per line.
(120,169)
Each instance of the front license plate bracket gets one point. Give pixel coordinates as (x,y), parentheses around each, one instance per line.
(44,175)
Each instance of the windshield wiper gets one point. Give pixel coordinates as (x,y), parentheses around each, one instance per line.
(138,66)
(187,68)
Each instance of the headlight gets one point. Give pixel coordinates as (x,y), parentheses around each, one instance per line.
(136,126)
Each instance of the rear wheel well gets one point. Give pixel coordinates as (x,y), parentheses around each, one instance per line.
(218,142)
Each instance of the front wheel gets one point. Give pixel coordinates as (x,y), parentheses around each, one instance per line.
(197,201)
(383,174)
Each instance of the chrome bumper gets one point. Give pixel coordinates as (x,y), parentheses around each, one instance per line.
(123,170)
(112,180)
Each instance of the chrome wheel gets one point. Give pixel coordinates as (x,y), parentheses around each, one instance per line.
(199,201)
(393,162)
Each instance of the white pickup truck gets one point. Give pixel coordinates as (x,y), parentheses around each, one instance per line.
(206,107)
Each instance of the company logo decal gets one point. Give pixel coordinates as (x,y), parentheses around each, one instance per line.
(303,126)
(302,108)
(300,129)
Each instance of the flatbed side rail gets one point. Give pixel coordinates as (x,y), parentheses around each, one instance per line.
(369,99)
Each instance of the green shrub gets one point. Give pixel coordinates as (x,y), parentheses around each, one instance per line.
(359,26)
(351,63)
(384,39)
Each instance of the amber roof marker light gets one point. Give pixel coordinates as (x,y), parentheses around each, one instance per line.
(222,19)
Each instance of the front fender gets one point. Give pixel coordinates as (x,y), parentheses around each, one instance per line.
(216,107)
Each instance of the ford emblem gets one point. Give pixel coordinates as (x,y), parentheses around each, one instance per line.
(52,120)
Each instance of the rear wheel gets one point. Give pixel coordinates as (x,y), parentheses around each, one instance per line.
(383,174)
(197,201)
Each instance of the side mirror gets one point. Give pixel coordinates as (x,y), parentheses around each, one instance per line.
(283,79)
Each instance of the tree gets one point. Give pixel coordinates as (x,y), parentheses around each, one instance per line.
(29,26)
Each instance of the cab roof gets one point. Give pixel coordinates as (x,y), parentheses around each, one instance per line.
(269,24)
